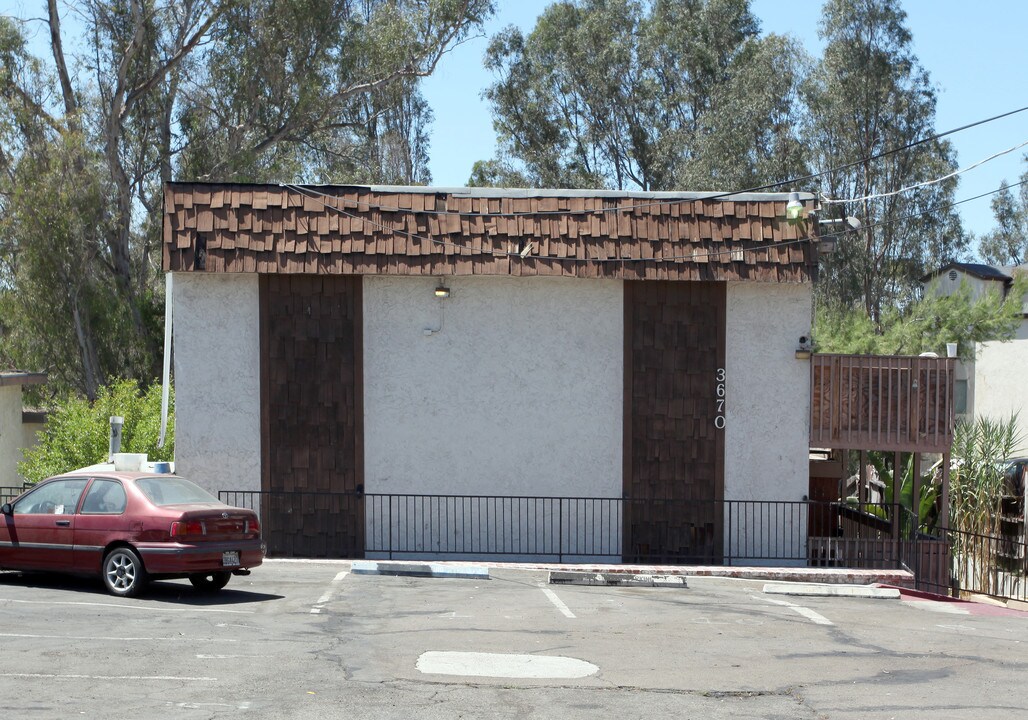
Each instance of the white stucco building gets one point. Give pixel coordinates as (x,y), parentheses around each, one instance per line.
(591,369)
(994,384)
(18,427)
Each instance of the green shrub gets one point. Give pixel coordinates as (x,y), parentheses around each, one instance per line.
(77,432)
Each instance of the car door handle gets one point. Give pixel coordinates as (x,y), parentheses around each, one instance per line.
(63,523)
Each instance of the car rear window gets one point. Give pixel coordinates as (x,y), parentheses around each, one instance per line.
(173,491)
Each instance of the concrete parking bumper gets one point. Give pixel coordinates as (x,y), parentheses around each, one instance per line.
(616,579)
(419,569)
(823,590)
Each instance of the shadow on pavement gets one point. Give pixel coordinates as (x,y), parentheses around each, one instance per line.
(177,592)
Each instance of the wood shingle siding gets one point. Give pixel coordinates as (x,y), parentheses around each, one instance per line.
(312,415)
(360,230)
(674,453)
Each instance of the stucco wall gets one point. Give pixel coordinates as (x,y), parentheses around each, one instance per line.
(217,380)
(767,407)
(517,391)
(943,284)
(1001,380)
(12,435)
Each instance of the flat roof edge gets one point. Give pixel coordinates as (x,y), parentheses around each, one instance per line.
(491,192)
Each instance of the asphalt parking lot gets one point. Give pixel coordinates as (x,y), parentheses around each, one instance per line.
(312,640)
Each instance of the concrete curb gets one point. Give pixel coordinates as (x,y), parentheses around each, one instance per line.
(819,590)
(844,576)
(431,570)
(614,579)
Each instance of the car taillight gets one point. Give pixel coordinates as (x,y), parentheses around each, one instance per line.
(195,527)
(251,526)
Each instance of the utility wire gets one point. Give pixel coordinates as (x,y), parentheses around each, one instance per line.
(831,201)
(671,201)
(913,216)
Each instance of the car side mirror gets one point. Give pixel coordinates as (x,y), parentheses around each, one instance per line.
(6,509)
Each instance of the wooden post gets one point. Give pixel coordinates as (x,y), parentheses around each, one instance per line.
(915,496)
(862,487)
(944,505)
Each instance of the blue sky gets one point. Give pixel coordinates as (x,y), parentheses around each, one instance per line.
(975,53)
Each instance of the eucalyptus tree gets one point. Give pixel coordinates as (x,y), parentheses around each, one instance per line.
(132,93)
(652,95)
(1007,243)
(867,97)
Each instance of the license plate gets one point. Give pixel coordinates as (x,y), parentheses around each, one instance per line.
(230,558)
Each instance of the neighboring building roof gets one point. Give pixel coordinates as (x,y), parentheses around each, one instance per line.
(978,270)
(21,378)
(398,230)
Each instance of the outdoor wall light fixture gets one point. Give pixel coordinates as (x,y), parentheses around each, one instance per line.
(804,348)
(793,208)
(442,291)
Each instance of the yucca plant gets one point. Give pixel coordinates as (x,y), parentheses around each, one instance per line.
(980,448)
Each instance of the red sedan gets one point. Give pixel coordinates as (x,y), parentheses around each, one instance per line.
(129,527)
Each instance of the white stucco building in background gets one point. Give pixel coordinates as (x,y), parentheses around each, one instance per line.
(995,384)
(18,427)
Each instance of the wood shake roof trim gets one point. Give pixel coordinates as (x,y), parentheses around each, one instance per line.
(388,230)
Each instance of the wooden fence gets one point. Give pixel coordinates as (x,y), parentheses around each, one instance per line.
(888,403)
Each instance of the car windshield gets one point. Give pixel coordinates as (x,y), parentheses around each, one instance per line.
(170,490)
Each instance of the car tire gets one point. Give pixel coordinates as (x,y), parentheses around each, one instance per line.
(123,572)
(210,582)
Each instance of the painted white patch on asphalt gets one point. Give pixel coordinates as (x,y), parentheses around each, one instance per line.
(501,665)
(799,610)
(327,595)
(198,706)
(558,602)
(103,637)
(151,608)
(228,657)
(939,607)
(54,676)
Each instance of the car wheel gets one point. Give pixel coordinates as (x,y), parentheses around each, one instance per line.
(210,582)
(123,572)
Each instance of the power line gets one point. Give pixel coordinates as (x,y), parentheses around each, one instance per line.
(936,208)
(879,196)
(671,201)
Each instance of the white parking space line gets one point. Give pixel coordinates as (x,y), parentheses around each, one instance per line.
(799,609)
(54,676)
(558,602)
(121,638)
(151,608)
(327,596)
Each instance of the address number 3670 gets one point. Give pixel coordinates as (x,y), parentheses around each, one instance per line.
(719,391)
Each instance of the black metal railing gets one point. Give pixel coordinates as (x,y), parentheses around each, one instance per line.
(9,492)
(993,565)
(562,529)
(626,530)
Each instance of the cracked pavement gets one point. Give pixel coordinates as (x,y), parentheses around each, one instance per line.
(298,640)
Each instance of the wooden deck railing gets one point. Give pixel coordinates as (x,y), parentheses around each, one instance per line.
(871,402)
